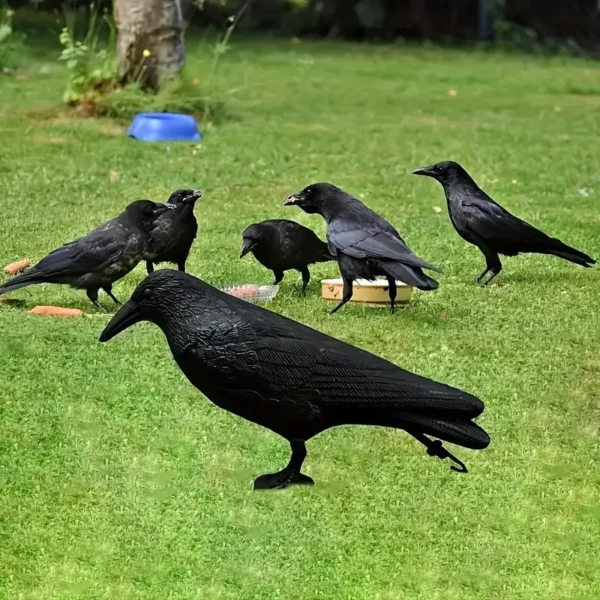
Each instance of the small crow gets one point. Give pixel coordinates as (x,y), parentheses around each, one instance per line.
(281,245)
(174,232)
(100,258)
(365,244)
(484,223)
(290,378)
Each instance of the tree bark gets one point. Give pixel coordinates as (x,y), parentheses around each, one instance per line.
(149,41)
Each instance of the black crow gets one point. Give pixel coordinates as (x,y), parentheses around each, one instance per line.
(281,245)
(290,378)
(173,233)
(365,244)
(485,224)
(100,258)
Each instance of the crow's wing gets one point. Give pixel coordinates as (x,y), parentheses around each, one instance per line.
(88,254)
(162,232)
(285,361)
(374,243)
(172,230)
(490,221)
(300,242)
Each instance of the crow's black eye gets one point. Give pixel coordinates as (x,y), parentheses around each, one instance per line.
(146,294)
(308,192)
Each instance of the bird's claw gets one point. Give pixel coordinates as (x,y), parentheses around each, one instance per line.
(282,480)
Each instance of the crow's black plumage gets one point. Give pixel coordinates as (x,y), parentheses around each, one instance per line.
(290,378)
(100,258)
(485,224)
(281,245)
(365,244)
(174,232)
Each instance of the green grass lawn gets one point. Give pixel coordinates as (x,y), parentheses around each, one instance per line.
(119,481)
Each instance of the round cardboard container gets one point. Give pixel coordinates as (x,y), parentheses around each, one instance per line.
(372,292)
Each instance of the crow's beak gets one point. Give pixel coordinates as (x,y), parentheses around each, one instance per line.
(246,247)
(293,199)
(162,207)
(427,171)
(195,195)
(125,317)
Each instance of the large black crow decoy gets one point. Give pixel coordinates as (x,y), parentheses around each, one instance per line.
(290,378)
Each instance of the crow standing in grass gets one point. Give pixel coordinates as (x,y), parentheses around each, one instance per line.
(97,260)
(290,378)
(174,232)
(365,244)
(484,223)
(281,245)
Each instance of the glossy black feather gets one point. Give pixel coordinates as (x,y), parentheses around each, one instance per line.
(373,243)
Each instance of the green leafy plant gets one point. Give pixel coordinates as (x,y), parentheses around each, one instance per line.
(93,86)
(92,70)
(184,94)
(181,95)
(222,44)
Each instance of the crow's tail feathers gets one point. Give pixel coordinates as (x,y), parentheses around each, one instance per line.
(447,427)
(558,248)
(410,275)
(30,277)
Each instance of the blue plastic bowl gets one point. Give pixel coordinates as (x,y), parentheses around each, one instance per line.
(164,127)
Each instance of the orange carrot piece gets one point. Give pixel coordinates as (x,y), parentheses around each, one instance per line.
(16,267)
(56,311)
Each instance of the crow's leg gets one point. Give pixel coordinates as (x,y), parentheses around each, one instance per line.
(291,475)
(149,267)
(493,264)
(392,292)
(278,277)
(305,279)
(93,296)
(108,290)
(346,294)
(181,265)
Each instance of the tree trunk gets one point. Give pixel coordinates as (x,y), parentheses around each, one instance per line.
(149,40)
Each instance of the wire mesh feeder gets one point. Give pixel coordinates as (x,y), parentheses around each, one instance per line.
(252,292)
